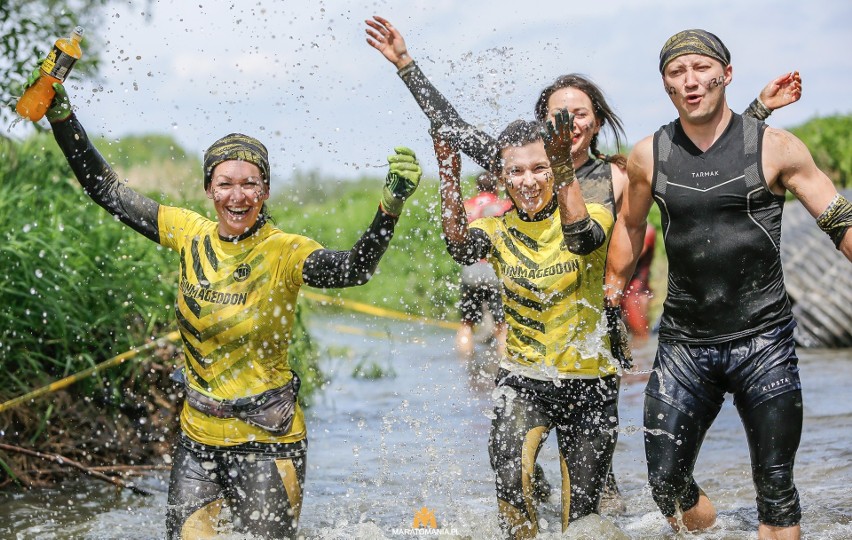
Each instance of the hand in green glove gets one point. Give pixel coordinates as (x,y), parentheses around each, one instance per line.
(558,136)
(401,181)
(60,107)
(36,73)
(619,345)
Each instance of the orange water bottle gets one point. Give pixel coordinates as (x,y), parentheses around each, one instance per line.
(36,99)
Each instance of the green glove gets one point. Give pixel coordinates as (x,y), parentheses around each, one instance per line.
(558,135)
(401,181)
(619,345)
(36,73)
(60,107)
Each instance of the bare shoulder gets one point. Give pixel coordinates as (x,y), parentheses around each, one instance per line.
(619,175)
(640,162)
(619,172)
(781,141)
(785,157)
(643,150)
(788,164)
(619,181)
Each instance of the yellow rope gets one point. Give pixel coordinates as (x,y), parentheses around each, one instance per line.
(71,379)
(175,336)
(377,311)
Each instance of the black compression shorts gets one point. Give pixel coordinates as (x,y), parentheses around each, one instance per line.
(261,485)
(695,378)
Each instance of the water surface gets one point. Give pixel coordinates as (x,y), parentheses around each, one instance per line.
(381,450)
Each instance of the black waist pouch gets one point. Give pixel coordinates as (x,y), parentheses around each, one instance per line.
(272,410)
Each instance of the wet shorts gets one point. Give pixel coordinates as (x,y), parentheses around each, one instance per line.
(695,378)
(474,297)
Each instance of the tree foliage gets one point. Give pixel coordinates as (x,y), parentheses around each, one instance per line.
(28,28)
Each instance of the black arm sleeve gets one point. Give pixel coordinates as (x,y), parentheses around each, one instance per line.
(328,268)
(477,247)
(477,144)
(101,183)
(584,236)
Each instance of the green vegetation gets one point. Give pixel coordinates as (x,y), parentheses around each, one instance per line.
(416,275)
(68,302)
(30,27)
(371,370)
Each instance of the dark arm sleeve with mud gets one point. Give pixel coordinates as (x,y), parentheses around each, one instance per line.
(477,247)
(584,236)
(477,144)
(332,269)
(101,183)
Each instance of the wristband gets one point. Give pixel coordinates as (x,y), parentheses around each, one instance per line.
(758,110)
(836,219)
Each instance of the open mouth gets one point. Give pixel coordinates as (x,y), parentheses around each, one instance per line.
(238,212)
(530,199)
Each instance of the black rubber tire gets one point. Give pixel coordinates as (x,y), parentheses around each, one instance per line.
(818,279)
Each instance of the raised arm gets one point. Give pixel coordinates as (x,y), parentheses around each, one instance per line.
(477,144)
(332,269)
(99,180)
(582,234)
(788,164)
(628,236)
(779,93)
(465,245)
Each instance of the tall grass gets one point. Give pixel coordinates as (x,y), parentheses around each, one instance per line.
(76,286)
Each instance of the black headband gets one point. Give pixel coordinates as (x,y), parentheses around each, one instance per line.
(236,146)
(694,42)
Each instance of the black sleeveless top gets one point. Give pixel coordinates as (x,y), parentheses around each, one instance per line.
(722,231)
(595,177)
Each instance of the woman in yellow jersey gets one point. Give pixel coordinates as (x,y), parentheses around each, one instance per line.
(549,255)
(243,442)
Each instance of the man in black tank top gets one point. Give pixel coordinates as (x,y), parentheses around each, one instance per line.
(720,179)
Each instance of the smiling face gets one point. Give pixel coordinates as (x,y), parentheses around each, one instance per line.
(238,193)
(528,177)
(586,124)
(696,85)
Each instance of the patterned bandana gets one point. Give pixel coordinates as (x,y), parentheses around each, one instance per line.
(236,146)
(694,42)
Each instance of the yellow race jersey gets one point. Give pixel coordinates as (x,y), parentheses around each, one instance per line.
(235,308)
(553,299)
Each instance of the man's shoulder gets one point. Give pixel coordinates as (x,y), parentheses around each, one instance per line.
(642,153)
